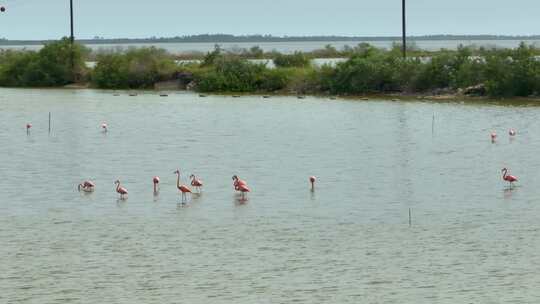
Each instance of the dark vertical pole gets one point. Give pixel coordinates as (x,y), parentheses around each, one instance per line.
(404,27)
(49,123)
(72,39)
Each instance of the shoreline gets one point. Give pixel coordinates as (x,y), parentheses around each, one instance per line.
(393,97)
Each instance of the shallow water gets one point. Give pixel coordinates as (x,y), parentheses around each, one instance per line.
(472,240)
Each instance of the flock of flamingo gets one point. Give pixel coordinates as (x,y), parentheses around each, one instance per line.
(238,184)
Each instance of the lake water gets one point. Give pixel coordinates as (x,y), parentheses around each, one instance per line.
(291,47)
(471,241)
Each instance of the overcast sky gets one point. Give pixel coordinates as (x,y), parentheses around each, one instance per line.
(49,19)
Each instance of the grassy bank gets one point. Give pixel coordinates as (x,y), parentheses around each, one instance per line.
(367,70)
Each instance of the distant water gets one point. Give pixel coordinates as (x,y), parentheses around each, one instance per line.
(471,240)
(290,47)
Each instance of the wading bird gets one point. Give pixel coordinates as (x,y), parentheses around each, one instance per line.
(195,182)
(121,190)
(183,188)
(155,180)
(493,136)
(104,127)
(509,178)
(86,186)
(312,180)
(512,132)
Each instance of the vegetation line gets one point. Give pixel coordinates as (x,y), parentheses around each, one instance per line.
(366,70)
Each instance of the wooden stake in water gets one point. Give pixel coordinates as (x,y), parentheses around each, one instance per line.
(49,123)
(410,218)
(433,124)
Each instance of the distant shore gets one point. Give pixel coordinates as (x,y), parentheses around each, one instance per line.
(223,38)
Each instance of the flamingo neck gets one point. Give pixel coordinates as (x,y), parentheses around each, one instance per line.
(117,186)
(178,180)
(505,172)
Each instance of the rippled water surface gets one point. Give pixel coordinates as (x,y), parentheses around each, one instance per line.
(472,240)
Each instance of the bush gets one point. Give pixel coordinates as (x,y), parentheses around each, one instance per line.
(51,66)
(512,73)
(231,74)
(137,68)
(297,60)
(368,71)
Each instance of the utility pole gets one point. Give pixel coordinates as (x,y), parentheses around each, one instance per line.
(72,39)
(404,27)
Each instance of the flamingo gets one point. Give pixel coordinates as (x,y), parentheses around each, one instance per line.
(28,127)
(121,190)
(104,127)
(155,180)
(312,180)
(195,182)
(493,136)
(184,189)
(86,186)
(507,177)
(237,182)
(512,132)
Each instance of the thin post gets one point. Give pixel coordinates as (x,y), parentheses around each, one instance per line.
(410,218)
(404,28)
(433,124)
(49,123)
(72,39)
(72,36)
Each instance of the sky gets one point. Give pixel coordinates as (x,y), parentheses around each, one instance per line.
(49,19)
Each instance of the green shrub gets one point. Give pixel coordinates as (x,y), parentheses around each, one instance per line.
(51,66)
(231,74)
(137,68)
(297,60)
(368,71)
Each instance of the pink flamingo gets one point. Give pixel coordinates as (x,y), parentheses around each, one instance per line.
(195,182)
(86,186)
(507,177)
(104,127)
(184,189)
(121,190)
(512,132)
(493,136)
(312,180)
(237,182)
(28,127)
(155,180)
